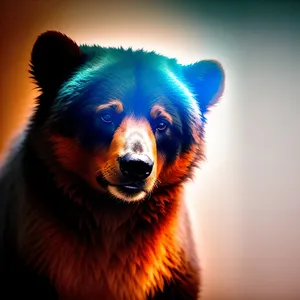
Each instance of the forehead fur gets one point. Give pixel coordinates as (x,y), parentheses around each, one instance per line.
(138,78)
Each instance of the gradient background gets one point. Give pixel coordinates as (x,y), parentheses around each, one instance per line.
(245,199)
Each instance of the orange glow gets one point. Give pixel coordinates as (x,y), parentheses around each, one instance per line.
(116,104)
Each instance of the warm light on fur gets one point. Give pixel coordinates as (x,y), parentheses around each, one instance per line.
(96,187)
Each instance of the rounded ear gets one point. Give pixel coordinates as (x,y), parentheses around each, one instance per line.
(53,58)
(206,78)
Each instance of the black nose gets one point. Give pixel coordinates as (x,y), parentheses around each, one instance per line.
(136,166)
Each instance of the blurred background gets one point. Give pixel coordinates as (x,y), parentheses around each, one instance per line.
(245,199)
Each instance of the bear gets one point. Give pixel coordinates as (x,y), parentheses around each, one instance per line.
(92,203)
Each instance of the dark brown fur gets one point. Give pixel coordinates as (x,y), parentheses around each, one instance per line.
(68,231)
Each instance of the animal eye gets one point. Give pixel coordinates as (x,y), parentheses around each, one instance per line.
(106,117)
(162,125)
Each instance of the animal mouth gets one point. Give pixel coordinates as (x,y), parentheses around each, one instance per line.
(128,188)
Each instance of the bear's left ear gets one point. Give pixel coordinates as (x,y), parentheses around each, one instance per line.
(54,57)
(206,78)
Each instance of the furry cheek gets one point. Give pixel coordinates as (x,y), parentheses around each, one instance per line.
(179,168)
(73,158)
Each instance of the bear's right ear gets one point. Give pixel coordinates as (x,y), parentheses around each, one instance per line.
(53,58)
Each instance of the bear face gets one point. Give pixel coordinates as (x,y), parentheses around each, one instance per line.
(124,122)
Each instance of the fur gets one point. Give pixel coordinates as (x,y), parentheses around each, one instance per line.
(71,228)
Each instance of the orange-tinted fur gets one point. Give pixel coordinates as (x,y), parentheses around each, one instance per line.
(130,271)
(159,111)
(75,159)
(94,194)
(131,267)
(116,104)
